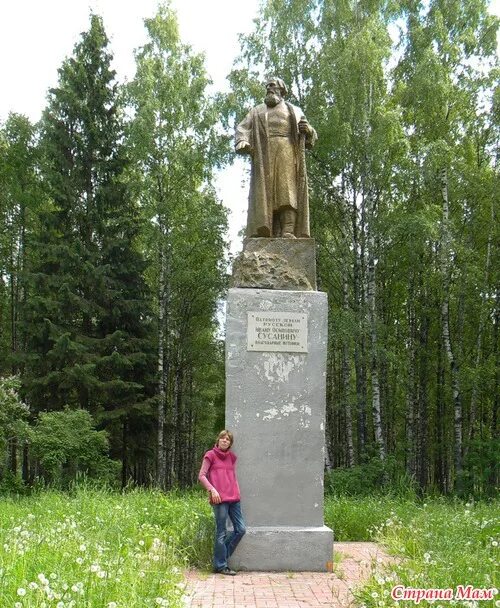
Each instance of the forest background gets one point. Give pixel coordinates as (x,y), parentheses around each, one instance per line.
(114,265)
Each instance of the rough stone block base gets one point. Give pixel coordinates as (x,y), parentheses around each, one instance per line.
(272,263)
(284,548)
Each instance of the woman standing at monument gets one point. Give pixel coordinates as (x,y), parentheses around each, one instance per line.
(218,476)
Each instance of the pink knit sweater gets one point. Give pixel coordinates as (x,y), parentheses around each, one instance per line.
(218,471)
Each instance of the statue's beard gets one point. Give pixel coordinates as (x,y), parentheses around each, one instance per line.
(271,100)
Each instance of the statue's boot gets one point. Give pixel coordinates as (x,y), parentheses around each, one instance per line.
(288,221)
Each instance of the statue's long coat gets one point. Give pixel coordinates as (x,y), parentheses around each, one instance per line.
(253,130)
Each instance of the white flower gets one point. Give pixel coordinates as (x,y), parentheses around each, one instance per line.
(83,548)
(94,568)
(79,560)
(60,605)
(142,574)
(112,604)
(374,594)
(74,588)
(101,574)
(427,557)
(494,543)
(33,585)
(141,542)
(42,578)
(18,605)
(21,592)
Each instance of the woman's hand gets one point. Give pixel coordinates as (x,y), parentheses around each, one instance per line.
(215,496)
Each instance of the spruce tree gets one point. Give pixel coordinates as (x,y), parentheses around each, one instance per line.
(88,316)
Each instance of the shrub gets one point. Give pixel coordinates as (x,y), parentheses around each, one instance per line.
(66,443)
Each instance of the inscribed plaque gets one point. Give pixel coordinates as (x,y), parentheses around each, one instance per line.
(277,332)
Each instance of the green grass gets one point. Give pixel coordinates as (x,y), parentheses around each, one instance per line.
(94,548)
(440,544)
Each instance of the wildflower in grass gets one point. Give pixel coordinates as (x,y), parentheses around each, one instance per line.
(79,560)
(94,568)
(494,543)
(21,592)
(112,604)
(374,594)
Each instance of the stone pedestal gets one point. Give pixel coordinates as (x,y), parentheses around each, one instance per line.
(275,405)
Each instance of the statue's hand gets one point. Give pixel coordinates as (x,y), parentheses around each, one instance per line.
(304,126)
(242,147)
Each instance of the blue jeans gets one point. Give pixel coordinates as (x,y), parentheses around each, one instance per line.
(226,542)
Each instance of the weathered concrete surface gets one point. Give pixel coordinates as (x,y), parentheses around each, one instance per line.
(275,405)
(285,549)
(274,263)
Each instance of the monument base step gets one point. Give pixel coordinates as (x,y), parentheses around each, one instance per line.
(285,549)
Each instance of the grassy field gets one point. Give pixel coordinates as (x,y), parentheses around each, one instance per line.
(98,549)
(441,544)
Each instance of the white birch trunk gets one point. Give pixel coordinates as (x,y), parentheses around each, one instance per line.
(161,457)
(445,323)
(372,315)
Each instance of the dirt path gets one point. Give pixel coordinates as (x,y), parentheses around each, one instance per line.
(353,564)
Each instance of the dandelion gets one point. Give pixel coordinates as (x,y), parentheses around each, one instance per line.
(427,557)
(74,588)
(112,604)
(141,542)
(83,548)
(21,592)
(94,568)
(374,594)
(101,574)
(18,605)
(494,543)
(33,586)
(79,560)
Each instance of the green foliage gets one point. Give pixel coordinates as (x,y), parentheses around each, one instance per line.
(66,443)
(441,544)
(13,427)
(371,478)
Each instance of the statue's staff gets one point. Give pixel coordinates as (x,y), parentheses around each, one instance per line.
(302,182)
(302,194)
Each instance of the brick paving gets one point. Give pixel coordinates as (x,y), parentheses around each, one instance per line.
(353,564)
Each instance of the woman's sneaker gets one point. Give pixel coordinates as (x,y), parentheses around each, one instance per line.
(226,571)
